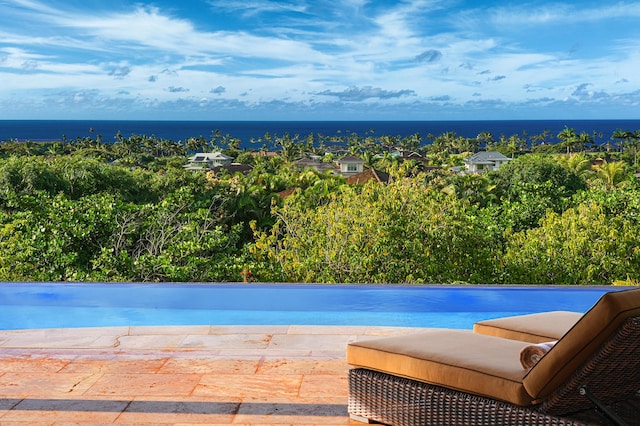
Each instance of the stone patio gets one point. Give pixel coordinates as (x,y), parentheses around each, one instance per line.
(267,375)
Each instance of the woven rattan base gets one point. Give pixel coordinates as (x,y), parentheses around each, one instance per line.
(601,391)
(398,401)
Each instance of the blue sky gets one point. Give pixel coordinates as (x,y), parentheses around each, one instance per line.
(319,59)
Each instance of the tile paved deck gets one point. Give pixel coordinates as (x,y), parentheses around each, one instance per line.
(295,375)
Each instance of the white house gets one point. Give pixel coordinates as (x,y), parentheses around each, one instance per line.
(350,165)
(346,166)
(485,161)
(207,160)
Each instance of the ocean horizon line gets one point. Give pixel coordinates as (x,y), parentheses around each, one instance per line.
(42,130)
(321,121)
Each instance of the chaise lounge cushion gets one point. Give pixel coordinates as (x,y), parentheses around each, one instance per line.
(455,359)
(573,349)
(533,328)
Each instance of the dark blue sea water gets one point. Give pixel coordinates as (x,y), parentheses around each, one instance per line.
(47,130)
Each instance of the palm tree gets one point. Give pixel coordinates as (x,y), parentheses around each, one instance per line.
(620,136)
(467,144)
(596,135)
(444,143)
(568,137)
(540,138)
(194,144)
(289,147)
(485,139)
(411,143)
(630,139)
(578,164)
(55,148)
(635,145)
(584,140)
(387,161)
(517,143)
(369,160)
(611,173)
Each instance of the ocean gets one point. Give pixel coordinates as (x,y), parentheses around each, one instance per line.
(245,131)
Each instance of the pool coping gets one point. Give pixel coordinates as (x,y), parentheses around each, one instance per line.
(183,338)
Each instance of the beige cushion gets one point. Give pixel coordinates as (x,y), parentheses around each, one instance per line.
(591,331)
(533,328)
(456,359)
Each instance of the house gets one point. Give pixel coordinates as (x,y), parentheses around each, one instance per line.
(368,175)
(207,161)
(485,161)
(415,156)
(350,165)
(316,163)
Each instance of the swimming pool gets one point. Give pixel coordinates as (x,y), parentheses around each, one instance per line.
(54,305)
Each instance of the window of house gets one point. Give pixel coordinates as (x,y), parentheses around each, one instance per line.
(352,167)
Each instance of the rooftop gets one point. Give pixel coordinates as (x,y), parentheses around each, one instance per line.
(191,375)
(486,157)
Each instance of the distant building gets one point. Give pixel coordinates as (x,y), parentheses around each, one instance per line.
(350,165)
(415,156)
(347,166)
(207,161)
(316,164)
(369,175)
(485,161)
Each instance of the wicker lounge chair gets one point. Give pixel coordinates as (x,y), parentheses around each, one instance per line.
(458,377)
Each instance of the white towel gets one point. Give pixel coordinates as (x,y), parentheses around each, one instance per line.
(530,355)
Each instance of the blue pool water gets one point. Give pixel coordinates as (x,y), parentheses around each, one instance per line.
(53,305)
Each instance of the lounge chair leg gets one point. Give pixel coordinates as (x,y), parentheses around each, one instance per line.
(359,419)
(602,407)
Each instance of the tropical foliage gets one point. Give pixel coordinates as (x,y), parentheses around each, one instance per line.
(405,232)
(557,213)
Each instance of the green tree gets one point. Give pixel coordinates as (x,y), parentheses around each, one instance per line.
(21,176)
(525,211)
(629,141)
(528,187)
(485,140)
(184,237)
(54,238)
(578,164)
(580,246)
(612,174)
(621,201)
(540,139)
(403,233)
(530,171)
(568,138)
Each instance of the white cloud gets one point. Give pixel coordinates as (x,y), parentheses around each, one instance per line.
(256,7)
(315,54)
(562,13)
(359,94)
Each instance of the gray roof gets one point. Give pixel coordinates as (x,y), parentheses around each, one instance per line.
(486,157)
(318,165)
(350,159)
(207,156)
